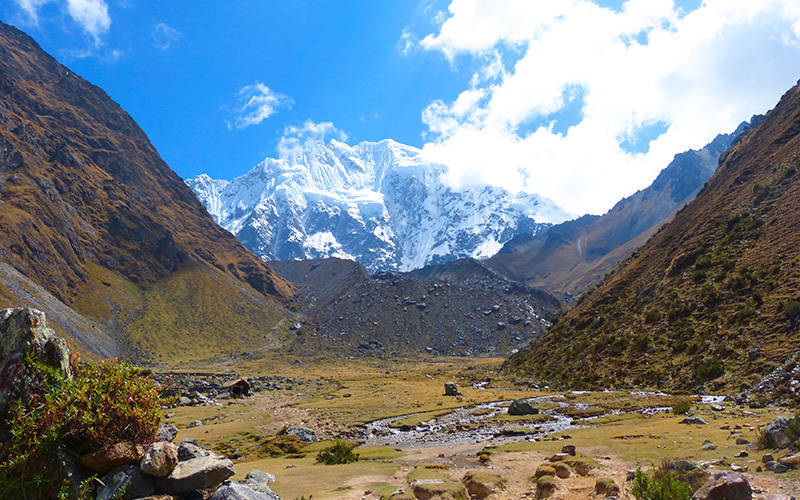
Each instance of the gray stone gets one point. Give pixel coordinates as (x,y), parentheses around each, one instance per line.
(709,446)
(725,486)
(259,480)
(522,407)
(569,449)
(195,423)
(304,434)
(159,459)
(125,482)
(166,432)
(239,491)
(780,468)
(451,389)
(693,421)
(197,474)
(189,450)
(24,330)
(776,431)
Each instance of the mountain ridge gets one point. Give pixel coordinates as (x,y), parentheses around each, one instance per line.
(379,203)
(710,302)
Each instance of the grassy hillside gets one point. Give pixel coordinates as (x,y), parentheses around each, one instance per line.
(711,300)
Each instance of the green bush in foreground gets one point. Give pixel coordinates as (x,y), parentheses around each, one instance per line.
(103,404)
(661,486)
(339,453)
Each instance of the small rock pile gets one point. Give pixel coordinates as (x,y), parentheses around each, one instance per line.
(164,468)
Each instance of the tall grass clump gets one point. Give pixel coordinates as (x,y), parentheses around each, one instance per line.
(660,486)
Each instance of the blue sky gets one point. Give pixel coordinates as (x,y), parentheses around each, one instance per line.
(582,101)
(337,61)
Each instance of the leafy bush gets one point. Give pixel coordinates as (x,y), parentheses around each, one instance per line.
(681,408)
(710,369)
(761,192)
(641,343)
(661,486)
(652,316)
(339,453)
(792,310)
(103,404)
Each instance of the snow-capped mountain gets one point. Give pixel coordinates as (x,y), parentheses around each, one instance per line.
(378,203)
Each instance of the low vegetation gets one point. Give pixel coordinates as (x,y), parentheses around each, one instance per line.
(103,404)
(339,453)
(660,485)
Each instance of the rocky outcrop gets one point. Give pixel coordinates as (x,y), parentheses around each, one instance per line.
(24,335)
(522,407)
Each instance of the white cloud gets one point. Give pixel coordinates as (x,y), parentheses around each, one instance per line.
(257,102)
(91,15)
(164,36)
(294,137)
(700,72)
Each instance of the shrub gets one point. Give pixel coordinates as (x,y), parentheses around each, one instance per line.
(103,404)
(761,192)
(652,316)
(710,369)
(681,408)
(661,486)
(641,343)
(339,453)
(792,310)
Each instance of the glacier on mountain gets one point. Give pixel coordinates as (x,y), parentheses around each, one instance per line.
(378,203)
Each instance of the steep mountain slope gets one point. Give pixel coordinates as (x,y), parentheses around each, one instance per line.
(712,298)
(460,309)
(93,215)
(378,203)
(574,255)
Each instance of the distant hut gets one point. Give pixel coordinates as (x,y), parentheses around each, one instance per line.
(237,388)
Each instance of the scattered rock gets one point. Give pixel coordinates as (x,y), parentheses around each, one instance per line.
(742,454)
(791,461)
(562,470)
(569,449)
(709,446)
(689,472)
(304,434)
(737,468)
(725,486)
(693,421)
(196,423)
(716,407)
(742,441)
(196,474)
(522,407)
(451,389)
(630,474)
(159,459)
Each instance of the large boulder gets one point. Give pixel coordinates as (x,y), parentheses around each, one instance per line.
(725,486)
(125,482)
(777,432)
(522,407)
(304,434)
(451,389)
(24,331)
(110,457)
(159,459)
(197,474)
(238,491)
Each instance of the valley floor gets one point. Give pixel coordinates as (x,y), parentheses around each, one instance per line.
(397,411)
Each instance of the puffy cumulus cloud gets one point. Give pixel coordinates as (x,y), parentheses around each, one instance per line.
(256,103)
(647,65)
(164,36)
(295,136)
(91,15)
